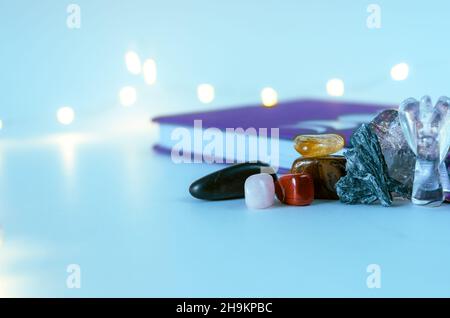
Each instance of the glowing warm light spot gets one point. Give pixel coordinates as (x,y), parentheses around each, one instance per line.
(65,115)
(269,97)
(400,72)
(205,93)
(133,62)
(150,72)
(335,87)
(128,96)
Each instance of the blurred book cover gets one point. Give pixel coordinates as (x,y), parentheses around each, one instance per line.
(191,133)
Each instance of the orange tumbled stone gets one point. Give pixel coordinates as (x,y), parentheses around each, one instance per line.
(295,189)
(318,145)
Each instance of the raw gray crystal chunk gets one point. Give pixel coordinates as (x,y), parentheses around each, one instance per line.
(367,178)
(399,158)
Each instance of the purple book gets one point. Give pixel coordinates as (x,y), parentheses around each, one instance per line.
(180,134)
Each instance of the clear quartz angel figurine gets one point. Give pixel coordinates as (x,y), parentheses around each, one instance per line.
(426,128)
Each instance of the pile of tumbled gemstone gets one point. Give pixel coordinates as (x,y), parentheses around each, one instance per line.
(312,176)
(398,154)
(258,183)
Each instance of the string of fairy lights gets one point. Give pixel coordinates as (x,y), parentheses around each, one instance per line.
(335,87)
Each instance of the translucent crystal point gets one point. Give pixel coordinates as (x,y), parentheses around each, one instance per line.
(426,129)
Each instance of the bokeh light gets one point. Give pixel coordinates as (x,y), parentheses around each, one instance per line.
(206,93)
(335,87)
(128,96)
(400,72)
(150,72)
(65,115)
(133,62)
(269,97)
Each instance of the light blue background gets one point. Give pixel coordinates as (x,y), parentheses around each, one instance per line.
(94,194)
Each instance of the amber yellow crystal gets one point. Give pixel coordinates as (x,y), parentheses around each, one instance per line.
(318,145)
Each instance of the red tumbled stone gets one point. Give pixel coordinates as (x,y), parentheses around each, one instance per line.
(295,189)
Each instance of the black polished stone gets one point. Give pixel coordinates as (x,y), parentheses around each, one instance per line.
(228,183)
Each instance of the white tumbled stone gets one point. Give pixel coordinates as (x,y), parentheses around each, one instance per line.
(259,191)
